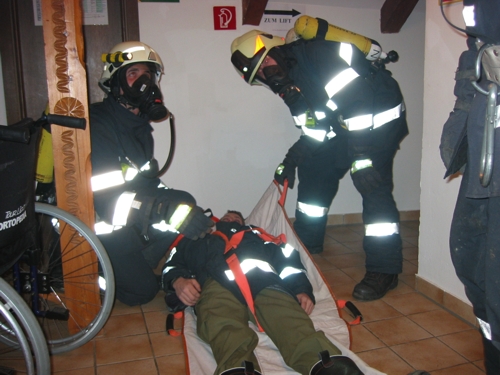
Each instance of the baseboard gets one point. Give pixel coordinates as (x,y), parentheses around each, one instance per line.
(343,219)
(456,306)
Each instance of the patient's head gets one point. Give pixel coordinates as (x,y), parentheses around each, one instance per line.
(231,216)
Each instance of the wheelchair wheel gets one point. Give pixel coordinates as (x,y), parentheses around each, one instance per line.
(23,348)
(76,286)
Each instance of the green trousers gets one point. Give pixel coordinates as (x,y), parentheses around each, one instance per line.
(222,322)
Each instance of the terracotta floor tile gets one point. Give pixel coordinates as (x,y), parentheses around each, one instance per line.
(143,367)
(410,241)
(439,322)
(467,343)
(409,267)
(410,253)
(79,358)
(124,325)
(346,260)
(410,303)
(323,264)
(336,249)
(397,331)
(81,371)
(376,310)
(356,273)
(356,246)
(386,361)
(120,349)
(342,234)
(336,277)
(157,304)
(172,365)
(156,320)
(343,291)
(467,369)
(363,340)
(120,308)
(430,354)
(164,344)
(408,280)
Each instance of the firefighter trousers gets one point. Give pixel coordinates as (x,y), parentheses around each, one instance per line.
(222,322)
(475,252)
(319,180)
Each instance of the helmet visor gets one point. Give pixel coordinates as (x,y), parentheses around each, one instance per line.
(247,66)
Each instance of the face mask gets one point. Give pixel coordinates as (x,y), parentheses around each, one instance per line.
(145,95)
(279,82)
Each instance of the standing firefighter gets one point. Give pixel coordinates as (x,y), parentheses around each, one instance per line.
(352,117)
(470,143)
(138,217)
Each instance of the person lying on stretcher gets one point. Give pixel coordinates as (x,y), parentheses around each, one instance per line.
(240,273)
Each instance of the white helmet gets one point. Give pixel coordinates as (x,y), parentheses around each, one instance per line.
(124,54)
(249,51)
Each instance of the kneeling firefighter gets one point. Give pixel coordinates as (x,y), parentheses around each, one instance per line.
(352,116)
(470,144)
(137,216)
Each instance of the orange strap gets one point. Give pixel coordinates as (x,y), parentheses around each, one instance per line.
(170,323)
(353,310)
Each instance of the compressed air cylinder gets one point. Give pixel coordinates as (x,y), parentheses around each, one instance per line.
(45,159)
(316,28)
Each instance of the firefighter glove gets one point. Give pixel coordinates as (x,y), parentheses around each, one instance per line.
(189,220)
(364,176)
(285,171)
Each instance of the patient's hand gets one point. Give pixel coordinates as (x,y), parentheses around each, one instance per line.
(188,290)
(305,302)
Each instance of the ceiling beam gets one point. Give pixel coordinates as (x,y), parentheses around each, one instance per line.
(253,11)
(394,14)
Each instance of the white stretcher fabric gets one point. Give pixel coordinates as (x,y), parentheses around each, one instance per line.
(271,216)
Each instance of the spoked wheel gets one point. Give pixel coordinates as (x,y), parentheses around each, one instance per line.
(23,349)
(76,285)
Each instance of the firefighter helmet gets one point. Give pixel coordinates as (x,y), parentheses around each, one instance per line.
(127,53)
(249,51)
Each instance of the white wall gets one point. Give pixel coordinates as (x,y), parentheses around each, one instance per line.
(230,136)
(443,46)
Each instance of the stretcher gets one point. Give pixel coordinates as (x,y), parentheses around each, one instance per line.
(269,214)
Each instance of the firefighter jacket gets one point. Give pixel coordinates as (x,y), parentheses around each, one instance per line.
(346,96)
(122,149)
(464,132)
(265,264)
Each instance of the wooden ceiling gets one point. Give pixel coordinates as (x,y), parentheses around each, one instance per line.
(393,13)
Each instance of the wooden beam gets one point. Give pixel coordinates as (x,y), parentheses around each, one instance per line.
(394,14)
(253,11)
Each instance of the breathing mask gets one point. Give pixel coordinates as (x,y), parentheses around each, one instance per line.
(144,94)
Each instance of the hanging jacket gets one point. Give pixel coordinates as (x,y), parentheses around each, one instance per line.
(122,144)
(349,97)
(265,264)
(481,29)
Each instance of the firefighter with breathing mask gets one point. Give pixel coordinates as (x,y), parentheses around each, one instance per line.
(352,116)
(137,216)
(470,144)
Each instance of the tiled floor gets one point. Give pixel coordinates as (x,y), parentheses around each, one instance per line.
(402,332)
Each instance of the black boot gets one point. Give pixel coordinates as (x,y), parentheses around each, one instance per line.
(246,369)
(374,286)
(335,365)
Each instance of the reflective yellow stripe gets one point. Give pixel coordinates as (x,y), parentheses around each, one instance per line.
(122,208)
(359,122)
(310,210)
(341,80)
(381,229)
(107,180)
(346,52)
(383,118)
(287,271)
(316,134)
(361,164)
(249,264)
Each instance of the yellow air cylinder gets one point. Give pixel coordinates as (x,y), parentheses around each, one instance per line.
(45,160)
(307,27)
